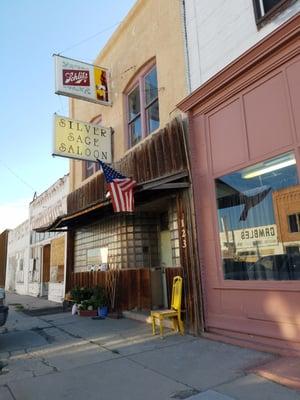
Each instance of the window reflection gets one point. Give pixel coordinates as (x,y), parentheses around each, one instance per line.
(258,214)
(135,130)
(152,117)
(134,103)
(151,91)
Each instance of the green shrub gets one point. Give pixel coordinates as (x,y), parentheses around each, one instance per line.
(80,294)
(99,296)
(85,297)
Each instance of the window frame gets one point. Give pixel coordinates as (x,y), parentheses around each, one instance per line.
(152,101)
(297,216)
(139,115)
(259,283)
(266,17)
(139,81)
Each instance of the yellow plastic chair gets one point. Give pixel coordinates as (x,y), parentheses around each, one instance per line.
(174,312)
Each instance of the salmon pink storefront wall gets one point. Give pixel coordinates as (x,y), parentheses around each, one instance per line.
(247,114)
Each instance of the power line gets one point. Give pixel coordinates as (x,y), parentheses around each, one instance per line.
(89,38)
(17,176)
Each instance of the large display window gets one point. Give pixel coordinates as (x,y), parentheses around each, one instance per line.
(259,221)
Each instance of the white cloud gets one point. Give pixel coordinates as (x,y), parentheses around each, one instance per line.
(14,213)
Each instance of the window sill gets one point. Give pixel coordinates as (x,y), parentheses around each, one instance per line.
(272,14)
(143,140)
(281,286)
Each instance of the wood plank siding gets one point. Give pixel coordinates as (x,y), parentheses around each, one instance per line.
(161,154)
(160,166)
(133,286)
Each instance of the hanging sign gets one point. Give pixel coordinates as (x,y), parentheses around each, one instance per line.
(81,140)
(81,80)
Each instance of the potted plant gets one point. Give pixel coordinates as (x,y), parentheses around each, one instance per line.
(87,308)
(90,302)
(81,297)
(100,300)
(79,294)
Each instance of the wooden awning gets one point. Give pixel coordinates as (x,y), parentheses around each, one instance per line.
(146,191)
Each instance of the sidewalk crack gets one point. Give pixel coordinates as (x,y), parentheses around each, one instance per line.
(10,391)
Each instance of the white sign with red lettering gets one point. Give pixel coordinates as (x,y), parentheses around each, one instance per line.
(81,80)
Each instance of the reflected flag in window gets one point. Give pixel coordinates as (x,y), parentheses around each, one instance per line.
(120,189)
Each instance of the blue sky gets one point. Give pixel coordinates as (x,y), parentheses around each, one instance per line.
(30,32)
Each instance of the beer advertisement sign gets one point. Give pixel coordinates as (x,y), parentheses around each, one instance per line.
(81,80)
(81,140)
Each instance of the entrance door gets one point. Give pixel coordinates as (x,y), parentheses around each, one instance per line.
(46,269)
(165,260)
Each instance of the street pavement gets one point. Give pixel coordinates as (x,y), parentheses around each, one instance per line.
(60,356)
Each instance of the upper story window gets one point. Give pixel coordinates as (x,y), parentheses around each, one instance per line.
(142,106)
(294,223)
(90,167)
(265,9)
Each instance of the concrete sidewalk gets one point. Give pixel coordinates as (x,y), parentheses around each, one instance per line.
(61,356)
(30,302)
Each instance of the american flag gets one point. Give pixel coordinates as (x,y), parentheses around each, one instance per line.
(120,189)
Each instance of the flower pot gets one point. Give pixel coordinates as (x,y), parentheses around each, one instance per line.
(103,311)
(87,313)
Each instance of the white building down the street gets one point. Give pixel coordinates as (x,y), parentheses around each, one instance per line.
(18,259)
(46,276)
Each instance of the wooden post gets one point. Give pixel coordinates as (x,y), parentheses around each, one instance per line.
(190,264)
(70,260)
